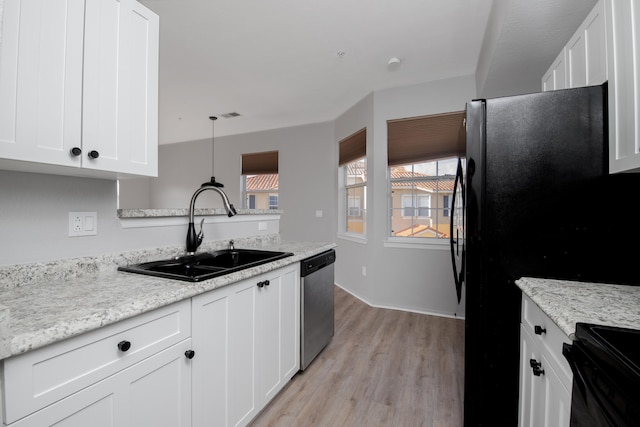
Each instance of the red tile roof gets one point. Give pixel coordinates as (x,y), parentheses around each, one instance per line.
(419,229)
(262,183)
(444,183)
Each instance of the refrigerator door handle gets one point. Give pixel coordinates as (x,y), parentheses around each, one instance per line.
(454,238)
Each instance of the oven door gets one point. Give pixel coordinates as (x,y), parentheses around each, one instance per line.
(604,393)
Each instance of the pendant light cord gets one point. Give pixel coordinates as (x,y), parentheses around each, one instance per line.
(213,146)
(213,182)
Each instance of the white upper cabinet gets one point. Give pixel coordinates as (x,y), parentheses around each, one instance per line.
(606,47)
(556,77)
(623,46)
(583,61)
(79,75)
(586,51)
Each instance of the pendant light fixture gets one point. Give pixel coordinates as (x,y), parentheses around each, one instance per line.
(213,149)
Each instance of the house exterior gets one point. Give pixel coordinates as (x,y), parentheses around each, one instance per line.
(261,191)
(420,204)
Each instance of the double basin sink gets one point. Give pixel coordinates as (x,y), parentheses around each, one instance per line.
(207,265)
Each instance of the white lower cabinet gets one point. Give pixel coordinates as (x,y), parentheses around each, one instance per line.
(136,372)
(214,360)
(247,337)
(545,376)
(155,392)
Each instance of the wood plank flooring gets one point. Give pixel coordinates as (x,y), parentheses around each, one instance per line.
(382,368)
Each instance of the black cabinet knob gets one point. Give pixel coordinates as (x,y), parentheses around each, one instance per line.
(536,367)
(189,354)
(124,345)
(539,330)
(266,283)
(260,284)
(76,151)
(93,154)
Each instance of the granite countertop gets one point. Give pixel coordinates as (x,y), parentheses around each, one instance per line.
(171,212)
(568,302)
(48,302)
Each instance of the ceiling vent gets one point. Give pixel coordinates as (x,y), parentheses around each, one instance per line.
(230,115)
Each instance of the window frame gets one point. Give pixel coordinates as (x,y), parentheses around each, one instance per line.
(406,241)
(345,197)
(277,199)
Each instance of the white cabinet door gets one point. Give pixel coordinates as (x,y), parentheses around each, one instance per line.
(545,400)
(556,77)
(120,120)
(532,387)
(623,50)
(583,61)
(279,336)
(224,327)
(557,405)
(41,80)
(587,52)
(247,340)
(154,392)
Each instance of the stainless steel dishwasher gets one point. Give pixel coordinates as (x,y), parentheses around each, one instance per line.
(316,293)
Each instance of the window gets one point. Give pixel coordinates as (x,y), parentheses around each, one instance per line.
(447,205)
(420,194)
(353,183)
(422,157)
(273,201)
(251,204)
(416,205)
(259,182)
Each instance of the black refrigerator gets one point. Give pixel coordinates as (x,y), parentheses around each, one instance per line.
(538,202)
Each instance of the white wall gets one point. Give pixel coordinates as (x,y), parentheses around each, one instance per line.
(307,176)
(307,165)
(415,279)
(34,220)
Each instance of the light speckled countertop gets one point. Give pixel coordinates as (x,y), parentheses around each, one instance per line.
(158,213)
(44,303)
(568,302)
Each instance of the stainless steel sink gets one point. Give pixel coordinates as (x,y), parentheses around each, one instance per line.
(207,265)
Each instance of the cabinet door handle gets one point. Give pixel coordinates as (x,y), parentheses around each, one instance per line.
(189,354)
(260,284)
(124,345)
(539,330)
(93,154)
(266,283)
(536,367)
(76,151)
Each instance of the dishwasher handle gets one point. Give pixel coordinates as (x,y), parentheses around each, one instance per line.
(317,262)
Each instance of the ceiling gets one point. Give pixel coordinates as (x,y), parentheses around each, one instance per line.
(281,63)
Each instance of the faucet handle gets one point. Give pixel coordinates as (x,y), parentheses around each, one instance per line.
(232,245)
(200,234)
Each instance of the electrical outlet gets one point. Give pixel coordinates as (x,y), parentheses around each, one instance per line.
(83,224)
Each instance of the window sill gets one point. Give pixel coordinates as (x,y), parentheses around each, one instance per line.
(357,238)
(440,245)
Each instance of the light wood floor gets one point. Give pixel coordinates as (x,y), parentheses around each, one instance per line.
(382,368)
